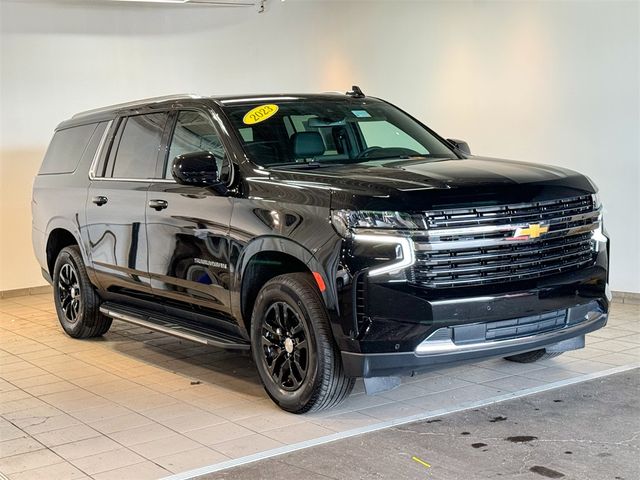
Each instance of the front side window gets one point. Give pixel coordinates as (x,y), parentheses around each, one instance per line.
(134,154)
(330,131)
(194,132)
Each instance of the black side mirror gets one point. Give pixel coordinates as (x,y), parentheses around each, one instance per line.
(198,169)
(460,145)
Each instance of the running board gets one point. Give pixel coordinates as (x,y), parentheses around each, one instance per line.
(169,326)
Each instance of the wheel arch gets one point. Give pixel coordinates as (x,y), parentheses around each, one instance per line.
(57,239)
(267,257)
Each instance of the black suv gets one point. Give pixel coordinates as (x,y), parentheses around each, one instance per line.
(335,236)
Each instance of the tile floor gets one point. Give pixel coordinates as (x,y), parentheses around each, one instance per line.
(140,405)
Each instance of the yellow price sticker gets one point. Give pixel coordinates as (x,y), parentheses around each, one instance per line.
(259,114)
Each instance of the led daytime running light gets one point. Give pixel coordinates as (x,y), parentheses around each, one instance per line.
(406,245)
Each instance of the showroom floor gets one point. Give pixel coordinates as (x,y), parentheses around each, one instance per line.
(136,404)
(559,433)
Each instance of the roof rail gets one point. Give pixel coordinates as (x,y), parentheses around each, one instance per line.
(144,101)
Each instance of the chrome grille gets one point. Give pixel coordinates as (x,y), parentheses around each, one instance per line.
(478,246)
(510,214)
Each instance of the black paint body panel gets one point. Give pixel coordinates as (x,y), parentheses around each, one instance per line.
(191,259)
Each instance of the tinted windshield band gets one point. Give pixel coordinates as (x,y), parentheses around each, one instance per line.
(281,131)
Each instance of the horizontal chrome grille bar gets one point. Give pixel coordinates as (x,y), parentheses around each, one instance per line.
(460,256)
(435,272)
(468,231)
(512,213)
(464,244)
(508,278)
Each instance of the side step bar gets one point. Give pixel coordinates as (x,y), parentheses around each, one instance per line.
(170,327)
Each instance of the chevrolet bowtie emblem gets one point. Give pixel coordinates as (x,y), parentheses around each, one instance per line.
(534,230)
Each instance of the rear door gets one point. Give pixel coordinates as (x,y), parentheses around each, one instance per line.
(116,204)
(188,228)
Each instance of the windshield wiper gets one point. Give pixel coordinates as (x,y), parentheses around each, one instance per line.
(399,157)
(387,157)
(305,165)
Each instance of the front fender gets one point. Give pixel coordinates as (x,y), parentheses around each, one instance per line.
(283,245)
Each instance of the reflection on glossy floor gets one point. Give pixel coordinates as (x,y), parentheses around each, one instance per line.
(137,404)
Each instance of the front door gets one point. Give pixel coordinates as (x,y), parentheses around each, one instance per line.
(117,204)
(188,227)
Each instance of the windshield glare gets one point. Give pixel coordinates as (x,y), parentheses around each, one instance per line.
(324,132)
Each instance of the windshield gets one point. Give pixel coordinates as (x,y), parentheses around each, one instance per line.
(317,132)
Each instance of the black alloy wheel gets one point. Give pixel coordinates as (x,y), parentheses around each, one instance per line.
(284,346)
(69,292)
(293,347)
(76,300)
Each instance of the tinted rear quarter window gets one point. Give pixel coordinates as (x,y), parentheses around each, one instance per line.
(66,149)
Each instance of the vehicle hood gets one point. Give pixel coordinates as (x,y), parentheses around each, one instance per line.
(416,185)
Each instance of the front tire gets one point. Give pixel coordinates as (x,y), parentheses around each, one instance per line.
(297,358)
(77,304)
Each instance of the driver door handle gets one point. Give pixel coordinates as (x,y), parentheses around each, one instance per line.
(99,200)
(158,204)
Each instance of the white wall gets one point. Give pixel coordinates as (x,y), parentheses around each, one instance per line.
(551,82)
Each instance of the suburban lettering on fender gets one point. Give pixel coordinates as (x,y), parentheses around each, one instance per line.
(209,263)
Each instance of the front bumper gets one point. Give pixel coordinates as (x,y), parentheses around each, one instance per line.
(433,353)
(388,327)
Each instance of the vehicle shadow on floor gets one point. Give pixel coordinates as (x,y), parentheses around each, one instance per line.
(233,370)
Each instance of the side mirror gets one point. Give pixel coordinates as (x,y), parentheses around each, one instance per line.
(198,169)
(460,145)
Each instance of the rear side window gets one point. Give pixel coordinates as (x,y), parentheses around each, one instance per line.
(66,149)
(94,143)
(136,152)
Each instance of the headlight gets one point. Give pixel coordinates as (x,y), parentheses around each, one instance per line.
(399,250)
(404,252)
(345,220)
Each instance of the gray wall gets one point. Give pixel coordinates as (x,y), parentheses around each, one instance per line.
(550,82)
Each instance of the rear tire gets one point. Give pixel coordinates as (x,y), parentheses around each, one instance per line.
(292,345)
(534,356)
(77,304)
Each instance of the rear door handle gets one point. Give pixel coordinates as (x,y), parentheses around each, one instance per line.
(158,204)
(100,200)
